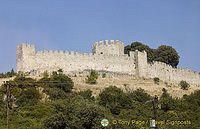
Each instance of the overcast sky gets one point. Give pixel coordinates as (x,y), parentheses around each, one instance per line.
(74,25)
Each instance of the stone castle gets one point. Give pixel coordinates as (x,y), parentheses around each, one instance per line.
(106,57)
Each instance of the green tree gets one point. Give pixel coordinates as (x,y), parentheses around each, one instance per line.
(24,90)
(61,81)
(167,54)
(184,85)
(57,86)
(12,73)
(30,116)
(75,113)
(140,47)
(140,95)
(114,99)
(87,94)
(193,100)
(168,103)
(164,53)
(127,49)
(92,79)
(164,94)
(45,74)
(156,80)
(103,75)
(2,75)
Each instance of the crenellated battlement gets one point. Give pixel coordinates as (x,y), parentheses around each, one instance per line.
(112,47)
(106,56)
(168,73)
(26,45)
(61,52)
(71,53)
(107,43)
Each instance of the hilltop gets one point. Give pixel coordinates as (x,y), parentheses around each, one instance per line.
(126,84)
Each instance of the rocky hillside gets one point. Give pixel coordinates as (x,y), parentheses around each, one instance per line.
(128,84)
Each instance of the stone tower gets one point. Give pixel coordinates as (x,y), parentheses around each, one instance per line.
(141,63)
(106,56)
(112,48)
(25,57)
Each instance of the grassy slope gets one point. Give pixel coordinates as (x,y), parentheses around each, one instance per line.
(131,83)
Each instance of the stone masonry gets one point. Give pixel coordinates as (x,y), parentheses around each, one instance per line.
(108,57)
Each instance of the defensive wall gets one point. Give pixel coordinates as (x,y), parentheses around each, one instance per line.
(37,62)
(168,73)
(106,56)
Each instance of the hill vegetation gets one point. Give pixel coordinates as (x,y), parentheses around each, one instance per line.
(163,53)
(53,102)
(63,108)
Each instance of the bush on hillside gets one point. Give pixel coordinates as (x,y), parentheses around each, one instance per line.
(92,79)
(114,99)
(8,74)
(57,85)
(156,80)
(75,113)
(103,75)
(87,94)
(140,95)
(184,85)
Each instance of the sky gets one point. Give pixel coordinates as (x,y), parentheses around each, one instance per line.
(74,25)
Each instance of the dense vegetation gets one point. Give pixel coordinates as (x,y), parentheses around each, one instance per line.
(184,85)
(63,108)
(8,74)
(163,53)
(92,78)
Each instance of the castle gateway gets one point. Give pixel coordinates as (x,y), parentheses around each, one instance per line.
(106,56)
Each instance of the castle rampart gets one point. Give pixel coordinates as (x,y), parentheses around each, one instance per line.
(168,73)
(37,63)
(105,56)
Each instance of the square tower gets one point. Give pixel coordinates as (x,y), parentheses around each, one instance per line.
(112,48)
(141,64)
(25,57)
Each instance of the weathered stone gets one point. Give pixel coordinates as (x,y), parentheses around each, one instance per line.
(109,58)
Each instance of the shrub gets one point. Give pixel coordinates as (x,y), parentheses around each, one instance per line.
(184,85)
(29,96)
(168,103)
(76,113)
(92,79)
(114,99)
(156,80)
(24,91)
(168,85)
(57,86)
(103,75)
(2,75)
(127,89)
(45,74)
(62,81)
(140,95)
(8,74)
(87,94)
(164,94)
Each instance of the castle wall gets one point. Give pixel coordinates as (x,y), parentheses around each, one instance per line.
(36,63)
(52,61)
(108,48)
(141,63)
(25,57)
(168,73)
(112,60)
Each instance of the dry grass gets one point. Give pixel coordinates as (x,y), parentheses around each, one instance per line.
(127,84)
(5,79)
(132,84)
